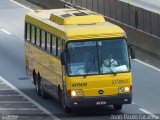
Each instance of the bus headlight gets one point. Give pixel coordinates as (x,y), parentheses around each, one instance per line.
(77,93)
(73,93)
(124,89)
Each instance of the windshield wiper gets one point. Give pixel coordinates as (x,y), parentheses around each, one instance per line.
(109,68)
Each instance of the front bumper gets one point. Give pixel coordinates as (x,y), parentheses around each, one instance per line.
(73,102)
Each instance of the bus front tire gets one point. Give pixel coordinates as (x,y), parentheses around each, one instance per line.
(65,107)
(118,107)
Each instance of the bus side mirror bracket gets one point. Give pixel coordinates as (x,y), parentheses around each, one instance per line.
(132,51)
(63,58)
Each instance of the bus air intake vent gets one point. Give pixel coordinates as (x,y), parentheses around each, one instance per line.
(66,15)
(80,14)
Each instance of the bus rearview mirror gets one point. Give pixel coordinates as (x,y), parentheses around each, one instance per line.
(132,51)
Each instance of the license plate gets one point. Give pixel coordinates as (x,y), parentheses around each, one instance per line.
(101,102)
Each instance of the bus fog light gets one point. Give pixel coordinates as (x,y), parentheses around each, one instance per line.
(79,93)
(73,93)
(121,89)
(126,89)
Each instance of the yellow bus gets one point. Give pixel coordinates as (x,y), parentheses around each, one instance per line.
(78,58)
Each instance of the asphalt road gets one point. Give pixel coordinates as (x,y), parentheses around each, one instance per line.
(146,80)
(151,5)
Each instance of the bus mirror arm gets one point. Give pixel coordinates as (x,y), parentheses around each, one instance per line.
(132,51)
(63,58)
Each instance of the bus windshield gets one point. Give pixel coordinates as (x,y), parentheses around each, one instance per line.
(97,57)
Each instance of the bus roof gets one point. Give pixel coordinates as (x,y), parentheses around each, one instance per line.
(74,24)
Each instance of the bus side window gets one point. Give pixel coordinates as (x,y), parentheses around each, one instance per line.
(53,45)
(38,36)
(35,40)
(33,35)
(43,38)
(59,47)
(48,42)
(27,32)
(45,41)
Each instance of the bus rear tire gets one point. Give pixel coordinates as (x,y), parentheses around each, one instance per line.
(118,107)
(34,77)
(38,87)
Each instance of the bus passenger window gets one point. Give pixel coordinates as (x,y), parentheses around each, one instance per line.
(53,45)
(59,47)
(28,31)
(48,42)
(45,41)
(33,35)
(43,36)
(38,36)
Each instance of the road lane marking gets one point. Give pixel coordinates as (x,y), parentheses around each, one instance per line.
(30,99)
(5,89)
(149,113)
(1,83)
(146,111)
(148,65)
(5,31)
(10,95)
(133,103)
(21,5)
(14,102)
(19,109)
